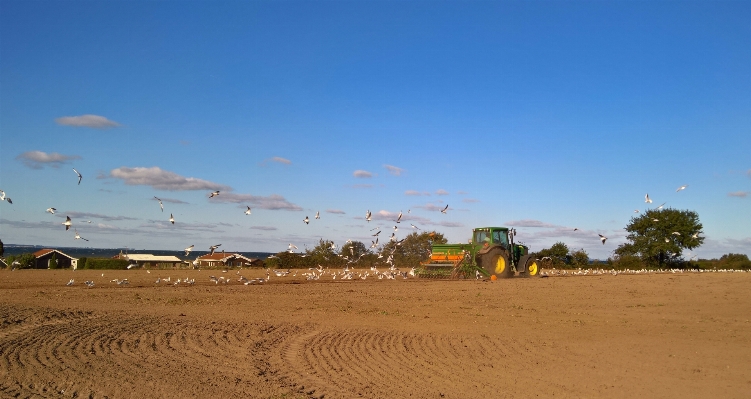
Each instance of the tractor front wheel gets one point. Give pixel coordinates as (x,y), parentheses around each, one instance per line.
(496,263)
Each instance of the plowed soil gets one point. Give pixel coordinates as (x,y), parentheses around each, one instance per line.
(625,336)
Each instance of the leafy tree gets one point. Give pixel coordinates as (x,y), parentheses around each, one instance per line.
(579,258)
(353,250)
(53,261)
(659,237)
(414,249)
(25,261)
(734,261)
(558,254)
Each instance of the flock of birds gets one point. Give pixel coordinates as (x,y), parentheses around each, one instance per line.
(614,272)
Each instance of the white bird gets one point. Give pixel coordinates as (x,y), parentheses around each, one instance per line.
(51,210)
(376,234)
(396,228)
(78,237)
(67,223)
(647,199)
(79,176)
(291,246)
(2,195)
(445,209)
(675,233)
(187,250)
(214,194)
(318,214)
(666,239)
(663,204)
(368,215)
(213,248)
(695,235)
(171,218)
(306,220)
(681,188)
(655,220)
(248,211)
(160,203)
(399,218)
(636,211)
(70,282)
(603,238)
(414,227)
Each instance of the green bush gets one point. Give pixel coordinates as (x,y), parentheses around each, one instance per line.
(105,263)
(53,261)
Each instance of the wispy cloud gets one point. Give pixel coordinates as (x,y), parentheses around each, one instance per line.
(749,173)
(470,200)
(264,228)
(362,174)
(90,215)
(394,170)
(362,186)
(281,160)
(415,193)
(530,223)
(441,192)
(739,194)
(273,202)
(92,121)
(163,180)
(431,207)
(460,192)
(170,200)
(335,211)
(39,159)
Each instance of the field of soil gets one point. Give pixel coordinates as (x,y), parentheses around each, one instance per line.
(625,336)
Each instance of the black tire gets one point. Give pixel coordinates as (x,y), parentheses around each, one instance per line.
(496,262)
(532,268)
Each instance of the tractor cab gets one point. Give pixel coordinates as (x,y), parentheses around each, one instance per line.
(497,236)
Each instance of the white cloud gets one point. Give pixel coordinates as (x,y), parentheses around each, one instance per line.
(171,200)
(163,180)
(470,200)
(394,170)
(38,159)
(529,223)
(441,192)
(273,202)
(92,121)
(460,192)
(431,207)
(363,174)
(88,215)
(335,211)
(415,193)
(739,194)
(281,160)
(362,186)
(264,228)
(749,173)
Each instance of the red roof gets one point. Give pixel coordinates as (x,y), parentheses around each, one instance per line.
(42,252)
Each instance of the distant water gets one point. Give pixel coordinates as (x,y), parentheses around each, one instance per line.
(78,252)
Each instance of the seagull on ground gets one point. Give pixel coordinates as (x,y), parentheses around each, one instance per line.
(67,223)
(79,176)
(318,214)
(160,203)
(445,209)
(69,283)
(214,194)
(213,248)
(171,218)
(647,199)
(51,210)
(683,187)
(603,238)
(78,237)
(306,220)
(187,250)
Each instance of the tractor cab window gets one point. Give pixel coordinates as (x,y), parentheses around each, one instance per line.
(500,237)
(480,236)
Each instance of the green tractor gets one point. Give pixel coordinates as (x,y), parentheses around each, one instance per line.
(491,252)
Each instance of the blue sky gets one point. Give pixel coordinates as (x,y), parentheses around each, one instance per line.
(544,116)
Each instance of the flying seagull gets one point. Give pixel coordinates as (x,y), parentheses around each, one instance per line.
(647,199)
(78,237)
(636,211)
(214,194)
(376,234)
(2,196)
(414,227)
(603,238)
(695,235)
(368,215)
(666,239)
(290,247)
(212,248)
(79,176)
(318,214)
(171,218)
(67,223)
(576,228)
(396,228)
(306,220)
(683,187)
(444,209)
(663,204)
(51,210)
(187,250)
(398,218)
(248,211)
(675,233)
(160,203)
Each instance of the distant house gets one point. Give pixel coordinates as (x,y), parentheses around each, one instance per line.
(43,257)
(221,259)
(157,261)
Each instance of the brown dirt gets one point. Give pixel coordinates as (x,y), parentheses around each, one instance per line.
(667,336)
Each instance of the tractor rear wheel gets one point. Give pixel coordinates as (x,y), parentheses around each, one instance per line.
(496,262)
(532,268)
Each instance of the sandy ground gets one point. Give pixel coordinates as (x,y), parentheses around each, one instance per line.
(650,336)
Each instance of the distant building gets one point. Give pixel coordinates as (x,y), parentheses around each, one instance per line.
(156,261)
(43,257)
(220,259)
